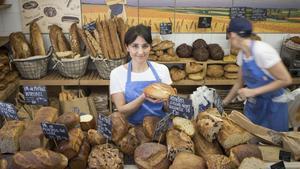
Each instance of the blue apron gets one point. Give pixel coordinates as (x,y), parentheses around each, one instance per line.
(262,110)
(134,89)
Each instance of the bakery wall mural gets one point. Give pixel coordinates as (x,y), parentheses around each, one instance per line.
(268,16)
(45,12)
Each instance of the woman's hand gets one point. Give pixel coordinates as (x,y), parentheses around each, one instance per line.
(151,99)
(246,93)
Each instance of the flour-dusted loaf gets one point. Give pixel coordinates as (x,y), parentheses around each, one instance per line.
(80,161)
(71,147)
(177,73)
(178,142)
(240,152)
(39,158)
(252,163)
(120,126)
(87,122)
(231,134)
(219,162)
(129,143)
(70,119)
(74,39)
(184,125)
(48,114)
(95,138)
(185,160)
(9,136)
(215,71)
(159,91)
(151,156)
(193,67)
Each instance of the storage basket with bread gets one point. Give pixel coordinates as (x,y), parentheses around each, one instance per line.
(31,59)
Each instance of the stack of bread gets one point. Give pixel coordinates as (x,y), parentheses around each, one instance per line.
(195,71)
(200,50)
(162,51)
(6,74)
(215,71)
(231,71)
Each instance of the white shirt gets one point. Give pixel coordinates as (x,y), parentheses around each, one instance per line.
(118,76)
(264,55)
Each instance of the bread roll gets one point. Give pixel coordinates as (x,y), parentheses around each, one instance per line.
(240,152)
(9,136)
(37,41)
(19,45)
(215,71)
(87,122)
(184,51)
(95,138)
(192,67)
(177,74)
(231,68)
(252,163)
(184,125)
(185,160)
(74,39)
(129,143)
(120,126)
(159,91)
(151,155)
(153,57)
(163,45)
(69,119)
(159,53)
(219,162)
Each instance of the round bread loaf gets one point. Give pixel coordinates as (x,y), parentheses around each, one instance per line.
(177,74)
(240,152)
(215,71)
(231,75)
(201,54)
(252,163)
(160,91)
(129,143)
(192,67)
(199,43)
(231,68)
(216,161)
(196,76)
(185,160)
(184,51)
(151,155)
(120,126)
(216,52)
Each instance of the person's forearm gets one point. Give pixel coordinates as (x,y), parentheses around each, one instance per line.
(277,84)
(232,93)
(129,108)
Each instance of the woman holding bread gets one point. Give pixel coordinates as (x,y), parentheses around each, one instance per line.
(264,76)
(128,81)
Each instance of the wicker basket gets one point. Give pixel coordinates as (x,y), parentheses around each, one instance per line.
(72,68)
(34,67)
(105,66)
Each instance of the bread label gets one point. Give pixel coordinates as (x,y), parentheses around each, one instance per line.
(55,131)
(8,110)
(35,95)
(161,127)
(105,126)
(285,156)
(165,28)
(182,107)
(279,165)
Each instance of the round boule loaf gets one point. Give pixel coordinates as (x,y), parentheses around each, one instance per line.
(184,50)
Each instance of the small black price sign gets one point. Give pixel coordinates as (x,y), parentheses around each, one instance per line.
(204,22)
(55,131)
(105,126)
(8,110)
(179,106)
(218,102)
(36,95)
(165,28)
(259,14)
(161,127)
(279,165)
(90,26)
(285,156)
(237,12)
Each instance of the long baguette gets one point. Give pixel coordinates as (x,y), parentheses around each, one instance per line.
(37,41)
(93,42)
(122,28)
(53,29)
(103,43)
(86,42)
(114,38)
(108,39)
(74,39)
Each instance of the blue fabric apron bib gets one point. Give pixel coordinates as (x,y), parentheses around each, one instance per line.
(134,89)
(262,110)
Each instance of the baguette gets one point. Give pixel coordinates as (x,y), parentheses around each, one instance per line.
(53,36)
(63,44)
(93,42)
(107,39)
(103,43)
(86,42)
(114,38)
(121,28)
(37,41)
(19,45)
(74,39)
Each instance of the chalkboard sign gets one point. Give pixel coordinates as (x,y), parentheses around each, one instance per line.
(36,95)
(105,126)
(218,102)
(55,131)
(179,106)
(259,14)
(8,110)
(237,12)
(165,28)
(279,165)
(204,22)
(285,156)
(161,127)
(90,26)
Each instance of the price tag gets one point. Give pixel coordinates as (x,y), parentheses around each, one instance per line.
(259,14)
(161,127)
(105,126)
(237,12)
(204,22)
(36,95)
(285,156)
(179,106)
(218,102)
(165,28)
(8,110)
(90,26)
(55,131)
(279,165)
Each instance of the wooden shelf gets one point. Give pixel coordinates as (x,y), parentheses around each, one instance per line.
(9,90)
(55,79)
(4,6)
(219,81)
(3,40)
(186,60)
(188,82)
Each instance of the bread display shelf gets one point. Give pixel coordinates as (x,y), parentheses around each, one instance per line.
(9,90)
(3,40)
(186,60)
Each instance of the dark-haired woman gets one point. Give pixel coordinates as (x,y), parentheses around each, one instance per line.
(128,81)
(264,75)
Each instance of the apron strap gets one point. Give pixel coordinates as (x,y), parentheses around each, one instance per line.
(154,72)
(150,66)
(129,72)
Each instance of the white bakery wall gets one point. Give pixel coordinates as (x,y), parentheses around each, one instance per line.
(10,21)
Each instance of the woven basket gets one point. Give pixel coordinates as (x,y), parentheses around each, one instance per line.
(72,68)
(34,67)
(105,66)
